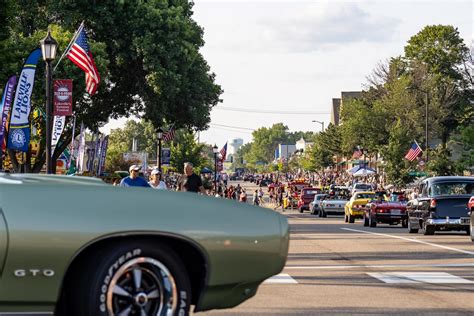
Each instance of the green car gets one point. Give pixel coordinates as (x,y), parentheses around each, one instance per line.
(76,246)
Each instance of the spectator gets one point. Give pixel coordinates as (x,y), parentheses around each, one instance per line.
(255,199)
(133,180)
(190,182)
(155,180)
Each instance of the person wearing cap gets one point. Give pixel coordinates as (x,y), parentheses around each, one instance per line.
(133,180)
(155,180)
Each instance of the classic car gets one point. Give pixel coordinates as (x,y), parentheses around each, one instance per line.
(390,212)
(470,207)
(441,205)
(315,205)
(306,196)
(356,206)
(333,204)
(77,246)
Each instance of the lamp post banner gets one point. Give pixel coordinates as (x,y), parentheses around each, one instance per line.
(19,132)
(5,106)
(165,156)
(58,127)
(62,97)
(103,155)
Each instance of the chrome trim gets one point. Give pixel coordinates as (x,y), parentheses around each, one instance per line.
(447,221)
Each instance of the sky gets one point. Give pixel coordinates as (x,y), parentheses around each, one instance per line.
(293,57)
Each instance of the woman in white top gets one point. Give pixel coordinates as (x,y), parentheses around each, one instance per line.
(155,180)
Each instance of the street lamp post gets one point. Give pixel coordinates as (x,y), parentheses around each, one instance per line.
(215,150)
(48,49)
(322,124)
(159,134)
(427,94)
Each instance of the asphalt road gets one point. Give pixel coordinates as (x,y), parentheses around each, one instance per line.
(336,268)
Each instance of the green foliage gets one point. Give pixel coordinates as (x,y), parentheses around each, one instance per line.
(440,163)
(186,149)
(147,53)
(396,167)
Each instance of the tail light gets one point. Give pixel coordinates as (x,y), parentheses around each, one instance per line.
(379,210)
(433,203)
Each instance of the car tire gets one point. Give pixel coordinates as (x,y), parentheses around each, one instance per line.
(366,221)
(372,222)
(405,223)
(351,218)
(410,229)
(134,276)
(427,229)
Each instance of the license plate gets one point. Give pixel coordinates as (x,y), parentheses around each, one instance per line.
(395,212)
(465,220)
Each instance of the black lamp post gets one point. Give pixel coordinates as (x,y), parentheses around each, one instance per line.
(48,49)
(215,150)
(159,134)
(427,94)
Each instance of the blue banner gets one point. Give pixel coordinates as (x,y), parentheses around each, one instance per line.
(5,106)
(19,133)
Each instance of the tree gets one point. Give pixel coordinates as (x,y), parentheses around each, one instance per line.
(120,142)
(147,54)
(446,74)
(187,150)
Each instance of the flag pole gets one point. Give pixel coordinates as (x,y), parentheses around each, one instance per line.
(418,144)
(70,44)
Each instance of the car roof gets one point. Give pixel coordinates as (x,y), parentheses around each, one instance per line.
(448,178)
(34,178)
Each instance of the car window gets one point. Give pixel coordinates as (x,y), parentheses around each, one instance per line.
(451,188)
(365,196)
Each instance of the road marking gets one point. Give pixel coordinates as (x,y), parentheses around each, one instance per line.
(413,240)
(419,277)
(282,278)
(440,265)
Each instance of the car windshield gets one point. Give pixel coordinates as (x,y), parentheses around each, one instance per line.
(451,188)
(362,186)
(365,196)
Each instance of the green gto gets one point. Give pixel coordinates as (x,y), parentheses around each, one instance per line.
(75,246)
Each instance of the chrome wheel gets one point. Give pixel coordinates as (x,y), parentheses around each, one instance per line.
(142,286)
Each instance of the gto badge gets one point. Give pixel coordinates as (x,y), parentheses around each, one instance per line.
(21,273)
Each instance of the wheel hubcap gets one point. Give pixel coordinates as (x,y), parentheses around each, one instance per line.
(142,286)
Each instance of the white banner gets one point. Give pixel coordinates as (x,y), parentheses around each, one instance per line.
(82,150)
(58,127)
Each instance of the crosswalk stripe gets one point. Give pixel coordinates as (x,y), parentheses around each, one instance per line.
(282,278)
(420,277)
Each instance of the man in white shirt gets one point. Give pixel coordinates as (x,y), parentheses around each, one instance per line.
(155,180)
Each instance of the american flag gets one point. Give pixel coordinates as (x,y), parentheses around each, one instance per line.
(223,152)
(169,135)
(414,152)
(357,154)
(80,54)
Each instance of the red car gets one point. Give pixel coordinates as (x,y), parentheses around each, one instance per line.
(306,197)
(388,212)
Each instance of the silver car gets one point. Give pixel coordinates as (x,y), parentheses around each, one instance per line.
(315,205)
(332,205)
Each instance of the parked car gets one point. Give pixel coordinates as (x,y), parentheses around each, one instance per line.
(77,246)
(332,205)
(391,212)
(315,205)
(306,196)
(441,206)
(355,207)
(470,207)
